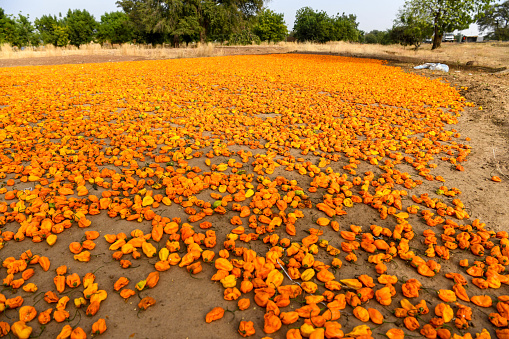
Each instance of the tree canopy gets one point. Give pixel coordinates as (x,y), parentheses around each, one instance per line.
(80,26)
(7,28)
(115,28)
(17,31)
(52,30)
(378,37)
(445,15)
(190,20)
(409,29)
(496,20)
(318,26)
(270,26)
(246,22)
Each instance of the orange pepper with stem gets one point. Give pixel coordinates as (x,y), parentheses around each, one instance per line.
(73,280)
(99,327)
(4,328)
(447,295)
(421,307)
(411,288)
(93,308)
(60,315)
(14,302)
(246,328)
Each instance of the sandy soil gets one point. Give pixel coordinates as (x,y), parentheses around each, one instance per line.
(87,59)
(183,301)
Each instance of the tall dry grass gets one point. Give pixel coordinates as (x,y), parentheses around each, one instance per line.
(157,52)
(493,54)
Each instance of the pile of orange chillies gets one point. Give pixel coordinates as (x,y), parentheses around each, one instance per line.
(267,152)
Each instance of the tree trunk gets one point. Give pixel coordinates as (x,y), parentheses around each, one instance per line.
(176,41)
(437,38)
(437,35)
(203,31)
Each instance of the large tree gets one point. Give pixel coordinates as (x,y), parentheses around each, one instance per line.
(496,19)
(409,29)
(51,30)
(17,31)
(114,27)
(189,20)
(81,27)
(270,26)
(7,28)
(378,37)
(318,26)
(445,15)
(312,25)
(345,28)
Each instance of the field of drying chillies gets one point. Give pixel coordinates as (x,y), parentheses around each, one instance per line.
(258,150)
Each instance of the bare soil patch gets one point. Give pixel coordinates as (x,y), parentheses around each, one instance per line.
(68,59)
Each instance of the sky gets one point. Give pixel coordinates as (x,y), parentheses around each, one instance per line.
(371,14)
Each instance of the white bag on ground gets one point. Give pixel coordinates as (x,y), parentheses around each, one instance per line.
(433,67)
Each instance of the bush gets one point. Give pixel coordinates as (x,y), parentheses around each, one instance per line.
(246,37)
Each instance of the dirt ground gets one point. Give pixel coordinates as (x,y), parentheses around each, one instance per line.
(87,59)
(183,301)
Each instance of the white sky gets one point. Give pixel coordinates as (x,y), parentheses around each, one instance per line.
(371,14)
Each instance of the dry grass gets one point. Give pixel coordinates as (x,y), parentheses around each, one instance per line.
(493,54)
(158,52)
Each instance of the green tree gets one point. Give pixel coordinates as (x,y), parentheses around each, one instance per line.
(317,26)
(114,27)
(410,30)
(378,37)
(189,20)
(245,37)
(46,26)
(270,26)
(7,28)
(345,28)
(61,36)
(80,26)
(17,31)
(496,19)
(445,15)
(25,32)
(312,26)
